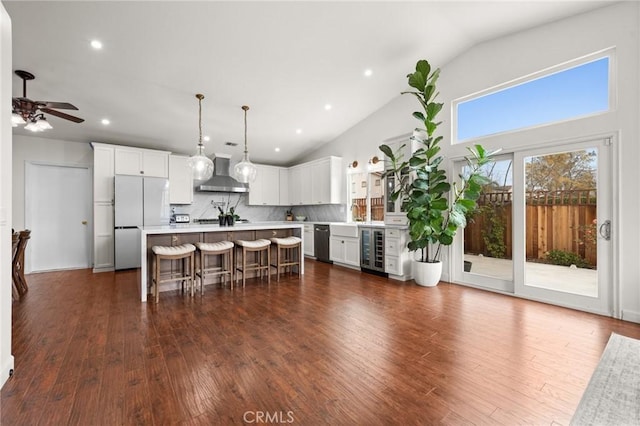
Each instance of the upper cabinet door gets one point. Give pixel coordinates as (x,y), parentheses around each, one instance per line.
(141,162)
(155,164)
(128,162)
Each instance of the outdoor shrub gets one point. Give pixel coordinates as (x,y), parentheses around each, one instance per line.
(566,258)
(493,233)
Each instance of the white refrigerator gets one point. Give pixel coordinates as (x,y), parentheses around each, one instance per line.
(139,201)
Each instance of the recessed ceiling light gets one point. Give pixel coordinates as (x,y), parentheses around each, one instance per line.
(298,131)
(206,138)
(368,73)
(277,149)
(105,121)
(96,44)
(327,107)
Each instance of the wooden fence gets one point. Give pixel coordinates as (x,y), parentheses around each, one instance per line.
(558,220)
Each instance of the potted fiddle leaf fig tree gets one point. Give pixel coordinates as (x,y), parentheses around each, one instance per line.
(435,206)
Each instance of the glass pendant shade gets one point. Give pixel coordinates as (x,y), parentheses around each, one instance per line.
(245,171)
(201,165)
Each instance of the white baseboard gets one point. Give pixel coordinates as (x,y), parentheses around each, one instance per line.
(631,316)
(6,371)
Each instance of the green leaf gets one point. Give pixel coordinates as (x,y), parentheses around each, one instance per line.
(433,109)
(417,80)
(431,152)
(433,78)
(457,218)
(445,239)
(439,204)
(416,161)
(428,91)
(431,127)
(419,115)
(423,67)
(386,150)
(469,205)
(441,187)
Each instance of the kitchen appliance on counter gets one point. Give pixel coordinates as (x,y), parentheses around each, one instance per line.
(139,201)
(180,218)
(321,236)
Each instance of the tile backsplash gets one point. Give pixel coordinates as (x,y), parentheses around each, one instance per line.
(202,207)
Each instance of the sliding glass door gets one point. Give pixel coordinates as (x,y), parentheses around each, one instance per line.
(543,227)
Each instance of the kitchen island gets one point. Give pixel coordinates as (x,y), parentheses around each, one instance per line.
(173,235)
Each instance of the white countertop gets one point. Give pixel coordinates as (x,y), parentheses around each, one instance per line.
(197,227)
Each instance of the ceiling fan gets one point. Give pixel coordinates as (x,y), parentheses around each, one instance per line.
(31,113)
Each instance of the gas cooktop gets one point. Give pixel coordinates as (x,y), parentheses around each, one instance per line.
(206,221)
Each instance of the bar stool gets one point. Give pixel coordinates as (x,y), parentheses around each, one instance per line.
(224,249)
(184,252)
(287,254)
(261,247)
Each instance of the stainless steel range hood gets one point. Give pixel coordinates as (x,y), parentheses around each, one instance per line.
(221,181)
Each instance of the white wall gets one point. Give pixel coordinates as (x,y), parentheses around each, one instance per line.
(517,55)
(41,150)
(6,359)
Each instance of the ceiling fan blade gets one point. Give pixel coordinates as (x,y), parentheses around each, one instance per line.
(62,115)
(58,105)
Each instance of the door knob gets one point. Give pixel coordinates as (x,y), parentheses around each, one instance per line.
(84,222)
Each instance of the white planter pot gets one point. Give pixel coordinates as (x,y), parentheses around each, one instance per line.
(427,274)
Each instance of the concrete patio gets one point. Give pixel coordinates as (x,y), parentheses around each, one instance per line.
(560,278)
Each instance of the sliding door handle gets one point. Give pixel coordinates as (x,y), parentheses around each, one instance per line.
(605,230)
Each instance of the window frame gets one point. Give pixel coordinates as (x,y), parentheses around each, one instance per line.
(608,53)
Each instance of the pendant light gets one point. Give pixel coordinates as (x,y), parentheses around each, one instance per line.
(201,165)
(245,171)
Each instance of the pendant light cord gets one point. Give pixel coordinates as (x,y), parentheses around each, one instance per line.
(246,151)
(200,98)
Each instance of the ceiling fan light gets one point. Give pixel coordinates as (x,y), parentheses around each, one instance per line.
(33,126)
(17,119)
(43,124)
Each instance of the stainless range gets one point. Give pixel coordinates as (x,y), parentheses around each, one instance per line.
(215,221)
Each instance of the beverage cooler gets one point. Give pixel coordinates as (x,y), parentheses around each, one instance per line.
(372,249)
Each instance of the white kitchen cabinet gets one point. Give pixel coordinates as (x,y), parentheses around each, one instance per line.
(284,187)
(344,245)
(317,182)
(136,162)
(103,241)
(309,241)
(103,171)
(306,184)
(180,180)
(265,190)
(345,250)
(103,234)
(295,185)
(397,255)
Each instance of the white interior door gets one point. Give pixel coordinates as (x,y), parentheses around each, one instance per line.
(58,211)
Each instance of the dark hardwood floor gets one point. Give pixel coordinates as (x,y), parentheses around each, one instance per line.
(338,347)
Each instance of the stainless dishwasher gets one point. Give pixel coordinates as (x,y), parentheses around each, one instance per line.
(321,242)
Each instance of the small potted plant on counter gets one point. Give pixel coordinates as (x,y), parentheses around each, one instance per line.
(433,219)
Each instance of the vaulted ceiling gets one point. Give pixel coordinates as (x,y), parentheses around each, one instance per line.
(286,60)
